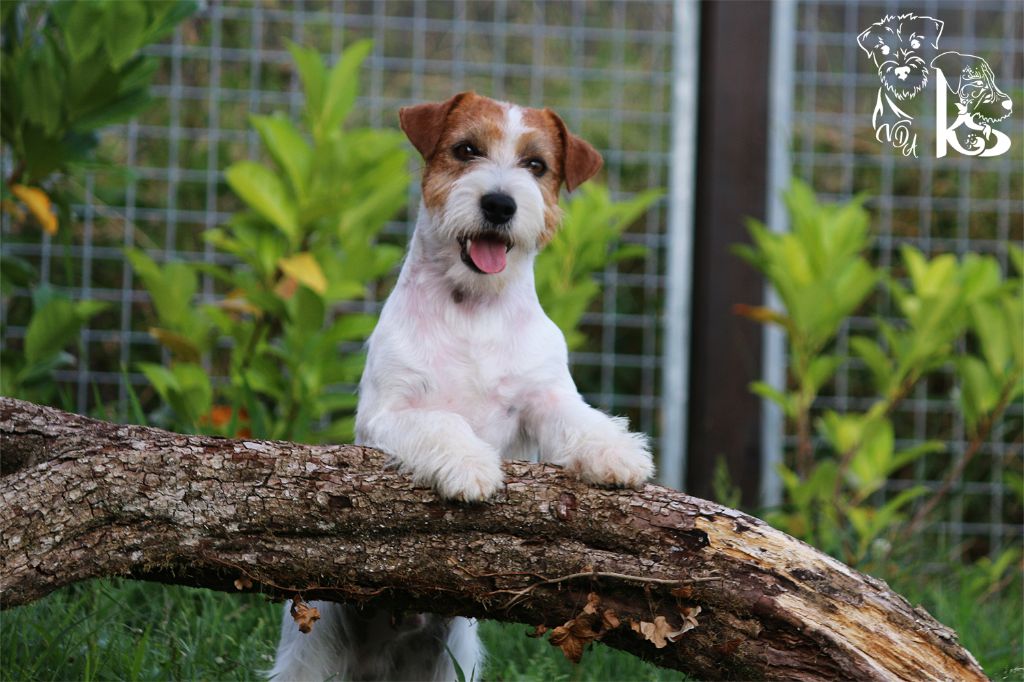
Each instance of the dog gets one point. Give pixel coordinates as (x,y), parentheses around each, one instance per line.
(979,104)
(464,368)
(901,47)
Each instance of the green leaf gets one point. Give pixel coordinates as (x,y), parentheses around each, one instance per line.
(979,389)
(123,108)
(56,325)
(1016,257)
(196,390)
(264,192)
(125,25)
(288,148)
(162,379)
(352,327)
(989,325)
(821,369)
(313,75)
(1015,482)
(876,360)
(164,16)
(333,402)
(172,288)
(912,454)
(770,393)
(80,28)
(307,312)
(342,87)
(42,93)
(15,272)
(872,460)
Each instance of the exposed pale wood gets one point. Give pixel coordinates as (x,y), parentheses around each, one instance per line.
(84,499)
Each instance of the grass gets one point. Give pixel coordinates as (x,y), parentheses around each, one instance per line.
(118,629)
(124,630)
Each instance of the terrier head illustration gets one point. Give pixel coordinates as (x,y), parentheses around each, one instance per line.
(901,47)
(971,79)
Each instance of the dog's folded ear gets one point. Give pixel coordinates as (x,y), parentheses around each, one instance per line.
(580,161)
(423,124)
(952,65)
(868,40)
(932,30)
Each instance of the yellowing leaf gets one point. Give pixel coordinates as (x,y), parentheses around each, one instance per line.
(305,269)
(183,348)
(8,206)
(39,205)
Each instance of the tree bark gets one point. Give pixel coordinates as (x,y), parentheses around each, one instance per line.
(86,499)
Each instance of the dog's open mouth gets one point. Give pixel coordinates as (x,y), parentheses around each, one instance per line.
(485,252)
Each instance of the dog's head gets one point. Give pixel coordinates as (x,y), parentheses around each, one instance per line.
(971,79)
(901,47)
(491,178)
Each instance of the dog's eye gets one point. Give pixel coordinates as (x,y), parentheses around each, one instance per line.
(464,151)
(915,44)
(536,166)
(885,49)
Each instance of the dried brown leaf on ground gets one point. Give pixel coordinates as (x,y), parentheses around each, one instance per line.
(304,614)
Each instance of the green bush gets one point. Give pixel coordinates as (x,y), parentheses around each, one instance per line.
(67,69)
(306,245)
(822,276)
(70,68)
(588,241)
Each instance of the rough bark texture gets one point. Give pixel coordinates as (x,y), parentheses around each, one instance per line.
(84,499)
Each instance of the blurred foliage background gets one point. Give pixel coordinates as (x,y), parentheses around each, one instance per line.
(213,262)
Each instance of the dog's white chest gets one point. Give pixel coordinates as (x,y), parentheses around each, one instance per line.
(430,354)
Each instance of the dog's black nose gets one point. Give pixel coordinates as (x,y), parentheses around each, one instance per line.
(498,208)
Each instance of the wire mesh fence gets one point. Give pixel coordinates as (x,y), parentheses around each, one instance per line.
(605,67)
(955,204)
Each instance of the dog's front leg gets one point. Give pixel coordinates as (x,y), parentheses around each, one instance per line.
(599,448)
(439,449)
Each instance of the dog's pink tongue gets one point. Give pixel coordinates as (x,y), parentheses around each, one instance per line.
(488,255)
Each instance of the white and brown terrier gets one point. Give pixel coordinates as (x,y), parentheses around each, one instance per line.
(464,368)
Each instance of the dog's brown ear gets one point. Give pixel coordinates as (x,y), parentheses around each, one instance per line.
(424,123)
(580,161)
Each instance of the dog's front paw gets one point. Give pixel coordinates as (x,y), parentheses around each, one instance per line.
(471,478)
(617,458)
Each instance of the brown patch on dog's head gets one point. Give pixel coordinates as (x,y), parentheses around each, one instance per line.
(437,128)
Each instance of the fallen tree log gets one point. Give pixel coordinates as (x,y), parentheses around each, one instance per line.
(86,499)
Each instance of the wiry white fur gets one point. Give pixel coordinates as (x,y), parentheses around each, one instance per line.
(464,369)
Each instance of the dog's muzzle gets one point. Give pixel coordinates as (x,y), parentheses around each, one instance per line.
(484,251)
